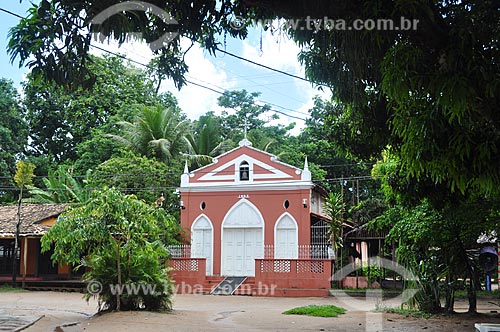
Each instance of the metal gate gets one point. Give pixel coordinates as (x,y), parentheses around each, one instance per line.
(319,239)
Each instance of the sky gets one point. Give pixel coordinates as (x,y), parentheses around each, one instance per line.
(221,72)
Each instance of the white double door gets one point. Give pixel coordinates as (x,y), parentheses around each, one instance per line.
(240,248)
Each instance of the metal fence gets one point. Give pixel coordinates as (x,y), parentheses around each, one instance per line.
(180,251)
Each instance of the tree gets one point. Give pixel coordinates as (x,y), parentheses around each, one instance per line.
(13,134)
(23,178)
(147,179)
(206,141)
(122,241)
(60,187)
(60,121)
(434,234)
(335,208)
(428,90)
(156,132)
(245,109)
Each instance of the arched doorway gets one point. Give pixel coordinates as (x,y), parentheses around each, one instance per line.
(242,239)
(202,241)
(286,237)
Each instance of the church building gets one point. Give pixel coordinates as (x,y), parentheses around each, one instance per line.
(251,216)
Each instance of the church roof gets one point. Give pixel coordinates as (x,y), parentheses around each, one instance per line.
(265,169)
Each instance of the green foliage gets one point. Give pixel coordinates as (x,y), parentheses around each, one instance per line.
(60,187)
(146,178)
(374,273)
(243,105)
(404,312)
(206,141)
(10,289)
(13,133)
(367,210)
(430,92)
(317,311)
(158,132)
(112,225)
(24,174)
(334,208)
(60,120)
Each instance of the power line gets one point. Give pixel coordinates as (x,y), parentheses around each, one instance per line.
(191,82)
(269,68)
(177,174)
(257,185)
(188,81)
(11,13)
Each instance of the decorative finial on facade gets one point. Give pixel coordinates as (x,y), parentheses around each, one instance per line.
(185,176)
(306,174)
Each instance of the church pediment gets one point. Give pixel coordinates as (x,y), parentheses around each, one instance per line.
(244,165)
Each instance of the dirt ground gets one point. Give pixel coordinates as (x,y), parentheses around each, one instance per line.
(229,313)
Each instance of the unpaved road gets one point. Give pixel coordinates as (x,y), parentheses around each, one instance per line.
(229,313)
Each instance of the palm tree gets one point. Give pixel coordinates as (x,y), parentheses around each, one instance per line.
(206,142)
(157,132)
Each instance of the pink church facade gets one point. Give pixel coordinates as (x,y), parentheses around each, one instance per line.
(249,215)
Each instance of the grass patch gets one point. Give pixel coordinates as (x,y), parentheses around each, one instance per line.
(10,289)
(480,293)
(316,311)
(404,312)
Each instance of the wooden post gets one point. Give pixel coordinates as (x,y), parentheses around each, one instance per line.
(25,259)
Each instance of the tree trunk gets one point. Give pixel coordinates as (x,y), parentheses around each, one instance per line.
(471,294)
(450,295)
(16,239)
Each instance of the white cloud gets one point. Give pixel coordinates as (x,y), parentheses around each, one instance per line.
(278,52)
(193,100)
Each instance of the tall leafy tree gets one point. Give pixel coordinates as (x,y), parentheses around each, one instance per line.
(60,120)
(23,178)
(147,179)
(240,108)
(13,135)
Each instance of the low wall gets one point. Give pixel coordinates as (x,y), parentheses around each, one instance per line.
(189,271)
(294,273)
(362,282)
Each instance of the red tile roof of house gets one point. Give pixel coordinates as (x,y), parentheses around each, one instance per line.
(31,217)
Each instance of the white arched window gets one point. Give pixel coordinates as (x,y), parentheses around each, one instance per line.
(202,241)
